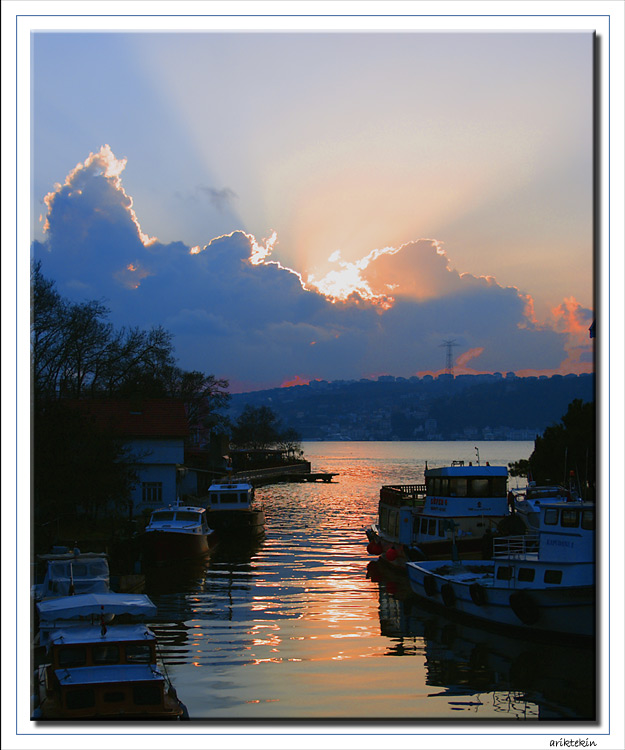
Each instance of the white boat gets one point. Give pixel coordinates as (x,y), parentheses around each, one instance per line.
(100,671)
(233,510)
(527,501)
(84,609)
(417,522)
(178,532)
(542,582)
(69,573)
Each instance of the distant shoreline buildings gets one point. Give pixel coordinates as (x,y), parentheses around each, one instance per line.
(464,407)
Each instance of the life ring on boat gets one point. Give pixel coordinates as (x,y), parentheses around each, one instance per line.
(524,607)
(478,594)
(429,585)
(448,595)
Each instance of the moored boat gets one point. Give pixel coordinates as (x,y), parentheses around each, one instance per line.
(417,522)
(542,583)
(66,573)
(179,532)
(528,501)
(103,671)
(233,510)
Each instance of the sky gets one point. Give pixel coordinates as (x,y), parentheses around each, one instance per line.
(296,206)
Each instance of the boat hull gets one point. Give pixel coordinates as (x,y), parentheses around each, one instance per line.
(469,548)
(569,610)
(168,546)
(247,523)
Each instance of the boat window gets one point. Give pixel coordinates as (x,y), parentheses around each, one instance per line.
(384,518)
(498,486)
(187,515)
(114,696)
(478,488)
(138,652)
(166,515)
(441,528)
(146,695)
(214,498)
(553,576)
(424,525)
(243,497)
(432,526)
(459,487)
(551,516)
(504,573)
(570,518)
(80,698)
(588,519)
(106,654)
(525,574)
(393,518)
(72,656)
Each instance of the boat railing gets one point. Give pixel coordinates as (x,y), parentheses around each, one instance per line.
(403,494)
(511,547)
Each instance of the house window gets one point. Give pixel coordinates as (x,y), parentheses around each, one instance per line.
(152,493)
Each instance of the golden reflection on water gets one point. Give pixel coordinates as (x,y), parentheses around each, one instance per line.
(319,631)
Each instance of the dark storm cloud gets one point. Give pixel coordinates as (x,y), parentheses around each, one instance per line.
(254,321)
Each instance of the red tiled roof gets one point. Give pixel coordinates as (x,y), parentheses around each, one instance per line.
(156,418)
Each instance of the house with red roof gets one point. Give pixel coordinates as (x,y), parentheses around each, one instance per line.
(154,431)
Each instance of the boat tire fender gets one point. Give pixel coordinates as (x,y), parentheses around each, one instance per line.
(478,594)
(524,607)
(429,585)
(448,595)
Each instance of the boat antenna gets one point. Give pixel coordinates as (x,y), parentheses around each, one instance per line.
(477,453)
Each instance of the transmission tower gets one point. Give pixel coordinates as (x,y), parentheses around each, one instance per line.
(449,360)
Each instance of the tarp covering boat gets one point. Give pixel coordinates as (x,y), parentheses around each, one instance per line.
(83,605)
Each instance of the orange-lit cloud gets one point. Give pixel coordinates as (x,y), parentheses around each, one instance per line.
(132,275)
(102,163)
(297,380)
(237,312)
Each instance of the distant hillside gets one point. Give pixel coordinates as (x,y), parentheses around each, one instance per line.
(467,407)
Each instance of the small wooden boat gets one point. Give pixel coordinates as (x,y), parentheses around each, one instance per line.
(233,510)
(542,582)
(102,671)
(179,532)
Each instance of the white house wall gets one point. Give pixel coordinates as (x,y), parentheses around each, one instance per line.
(157,462)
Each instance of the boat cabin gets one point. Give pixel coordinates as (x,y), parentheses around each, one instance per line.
(179,517)
(230,496)
(122,691)
(561,554)
(92,646)
(69,573)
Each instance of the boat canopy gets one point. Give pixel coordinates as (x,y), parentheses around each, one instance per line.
(82,605)
(93,634)
(116,673)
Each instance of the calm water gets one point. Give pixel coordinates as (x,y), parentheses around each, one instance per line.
(303,626)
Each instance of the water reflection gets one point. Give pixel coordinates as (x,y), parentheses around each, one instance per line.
(542,679)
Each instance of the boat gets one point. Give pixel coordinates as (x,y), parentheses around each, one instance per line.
(234,511)
(175,533)
(417,521)
(528,500)
(65,573)
(542,583)
(100,671)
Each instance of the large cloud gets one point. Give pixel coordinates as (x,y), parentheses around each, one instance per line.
(236,312)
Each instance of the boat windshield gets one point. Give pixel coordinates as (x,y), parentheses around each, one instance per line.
(188,515)
(165,515)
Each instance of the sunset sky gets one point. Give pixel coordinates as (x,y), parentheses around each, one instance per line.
(299,205)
